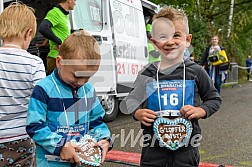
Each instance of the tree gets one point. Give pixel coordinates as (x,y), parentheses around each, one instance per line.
(230,17)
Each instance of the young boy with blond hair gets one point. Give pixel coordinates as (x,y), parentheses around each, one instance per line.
(64,100)
(167,96)
(20,71)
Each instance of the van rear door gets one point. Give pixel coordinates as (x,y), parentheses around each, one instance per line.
(129,39)
(93,16)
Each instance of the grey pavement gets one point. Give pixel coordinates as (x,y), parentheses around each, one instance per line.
(226,136)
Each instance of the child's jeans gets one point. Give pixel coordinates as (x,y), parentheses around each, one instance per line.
(218,81)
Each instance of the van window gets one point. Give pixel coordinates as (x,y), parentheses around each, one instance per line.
(88,15)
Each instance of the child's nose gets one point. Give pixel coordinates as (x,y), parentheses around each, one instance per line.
(169,42)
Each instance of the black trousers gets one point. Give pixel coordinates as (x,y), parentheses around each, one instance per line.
(248,74)
(163,157)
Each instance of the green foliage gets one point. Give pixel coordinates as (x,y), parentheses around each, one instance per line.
(198,31)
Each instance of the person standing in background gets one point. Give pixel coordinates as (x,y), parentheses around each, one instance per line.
(214,72)
(56,27)
(192,57)
(20,72)
(248,65)
(154,54)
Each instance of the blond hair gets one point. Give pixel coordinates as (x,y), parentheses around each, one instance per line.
(172,14)
(81,45)
(215,36)
(16,20)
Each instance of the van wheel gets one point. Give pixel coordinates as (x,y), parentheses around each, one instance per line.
(110,105)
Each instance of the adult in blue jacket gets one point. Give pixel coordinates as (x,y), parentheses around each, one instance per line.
(248,65)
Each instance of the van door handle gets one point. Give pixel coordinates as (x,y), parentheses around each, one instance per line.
(98,38)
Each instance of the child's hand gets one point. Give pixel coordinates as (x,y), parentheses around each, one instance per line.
(104,144)
(191,112)
(145,116)
(68,153)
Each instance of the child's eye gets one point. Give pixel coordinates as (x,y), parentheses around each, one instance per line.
(162,38)
(176,35)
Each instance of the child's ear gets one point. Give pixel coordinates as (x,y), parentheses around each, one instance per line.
(188,40)
(28,34)
(153,40)
(58,61)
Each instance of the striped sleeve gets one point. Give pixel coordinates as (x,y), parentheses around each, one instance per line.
(98,128)
(38,70)
(37,127)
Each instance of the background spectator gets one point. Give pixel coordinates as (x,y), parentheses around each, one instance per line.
(56,27)
(214,72)
(248,65)
(154,54)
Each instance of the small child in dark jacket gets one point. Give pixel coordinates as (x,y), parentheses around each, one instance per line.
(170,96)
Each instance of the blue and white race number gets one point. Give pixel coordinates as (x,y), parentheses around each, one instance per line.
(171,96)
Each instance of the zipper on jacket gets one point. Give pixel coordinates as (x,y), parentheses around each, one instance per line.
(76,112)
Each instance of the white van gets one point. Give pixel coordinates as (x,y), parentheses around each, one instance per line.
(119,27)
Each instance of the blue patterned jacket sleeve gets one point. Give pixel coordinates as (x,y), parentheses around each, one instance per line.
(98,129)
(37,128)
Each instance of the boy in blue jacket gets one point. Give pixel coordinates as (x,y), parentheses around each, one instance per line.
(64,105)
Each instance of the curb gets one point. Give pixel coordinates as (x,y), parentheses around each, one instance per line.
(133,159)
(121,156)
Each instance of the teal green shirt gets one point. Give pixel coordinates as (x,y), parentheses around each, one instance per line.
(148,27)
(61,28)
(151,58)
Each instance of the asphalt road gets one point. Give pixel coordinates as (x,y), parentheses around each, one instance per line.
(227,135)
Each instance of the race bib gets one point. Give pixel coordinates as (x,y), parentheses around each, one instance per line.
(170,96)
(168,100)
(72,132)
